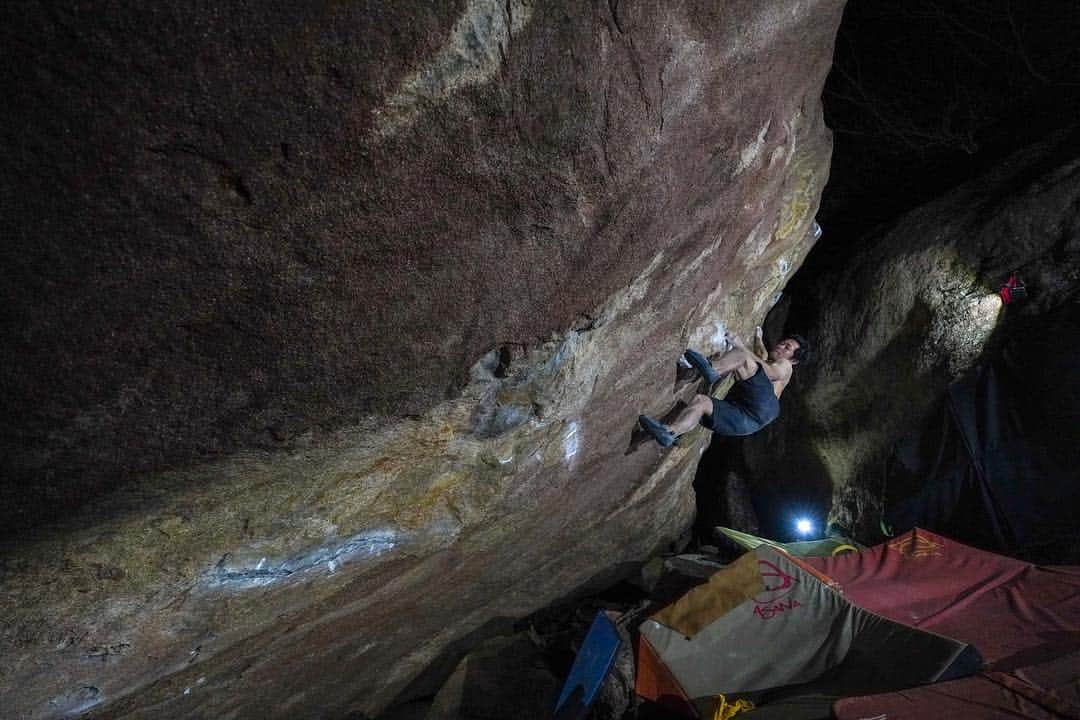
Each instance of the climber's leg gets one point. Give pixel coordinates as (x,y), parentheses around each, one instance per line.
(700,407)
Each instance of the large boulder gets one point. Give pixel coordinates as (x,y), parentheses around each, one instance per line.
(327,326)
(917,307)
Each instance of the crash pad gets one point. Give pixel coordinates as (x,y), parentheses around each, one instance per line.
(590,669)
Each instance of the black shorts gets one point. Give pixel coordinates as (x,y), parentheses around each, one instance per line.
(749,406)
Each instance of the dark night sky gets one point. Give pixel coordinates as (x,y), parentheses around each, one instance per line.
(926,94)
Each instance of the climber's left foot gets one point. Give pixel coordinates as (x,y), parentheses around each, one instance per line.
(659,433)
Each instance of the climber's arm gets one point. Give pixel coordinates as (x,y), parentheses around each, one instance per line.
(738,357)
(759,345)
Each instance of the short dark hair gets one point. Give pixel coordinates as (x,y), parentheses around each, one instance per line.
(804,354)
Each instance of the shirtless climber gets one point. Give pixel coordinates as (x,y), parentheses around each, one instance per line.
(753,401)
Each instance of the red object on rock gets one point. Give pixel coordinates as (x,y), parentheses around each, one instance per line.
(1012,290)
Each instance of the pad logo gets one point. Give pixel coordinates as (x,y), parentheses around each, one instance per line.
(773,600)
(917,547)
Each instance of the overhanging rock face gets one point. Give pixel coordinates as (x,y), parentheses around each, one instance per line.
(362,305)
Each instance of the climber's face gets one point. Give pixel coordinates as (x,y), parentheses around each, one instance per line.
(785,350)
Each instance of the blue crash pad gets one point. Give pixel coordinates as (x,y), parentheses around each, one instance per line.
(591,667)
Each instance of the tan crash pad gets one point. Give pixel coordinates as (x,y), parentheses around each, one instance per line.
(726,589)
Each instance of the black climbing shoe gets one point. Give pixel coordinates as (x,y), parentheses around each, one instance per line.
(659,433)
(701,363)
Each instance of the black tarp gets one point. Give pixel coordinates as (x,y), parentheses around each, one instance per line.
(998,465)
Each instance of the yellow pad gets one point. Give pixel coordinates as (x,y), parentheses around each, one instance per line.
(727,588)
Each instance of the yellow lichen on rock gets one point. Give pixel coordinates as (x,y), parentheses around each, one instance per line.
(800,197)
